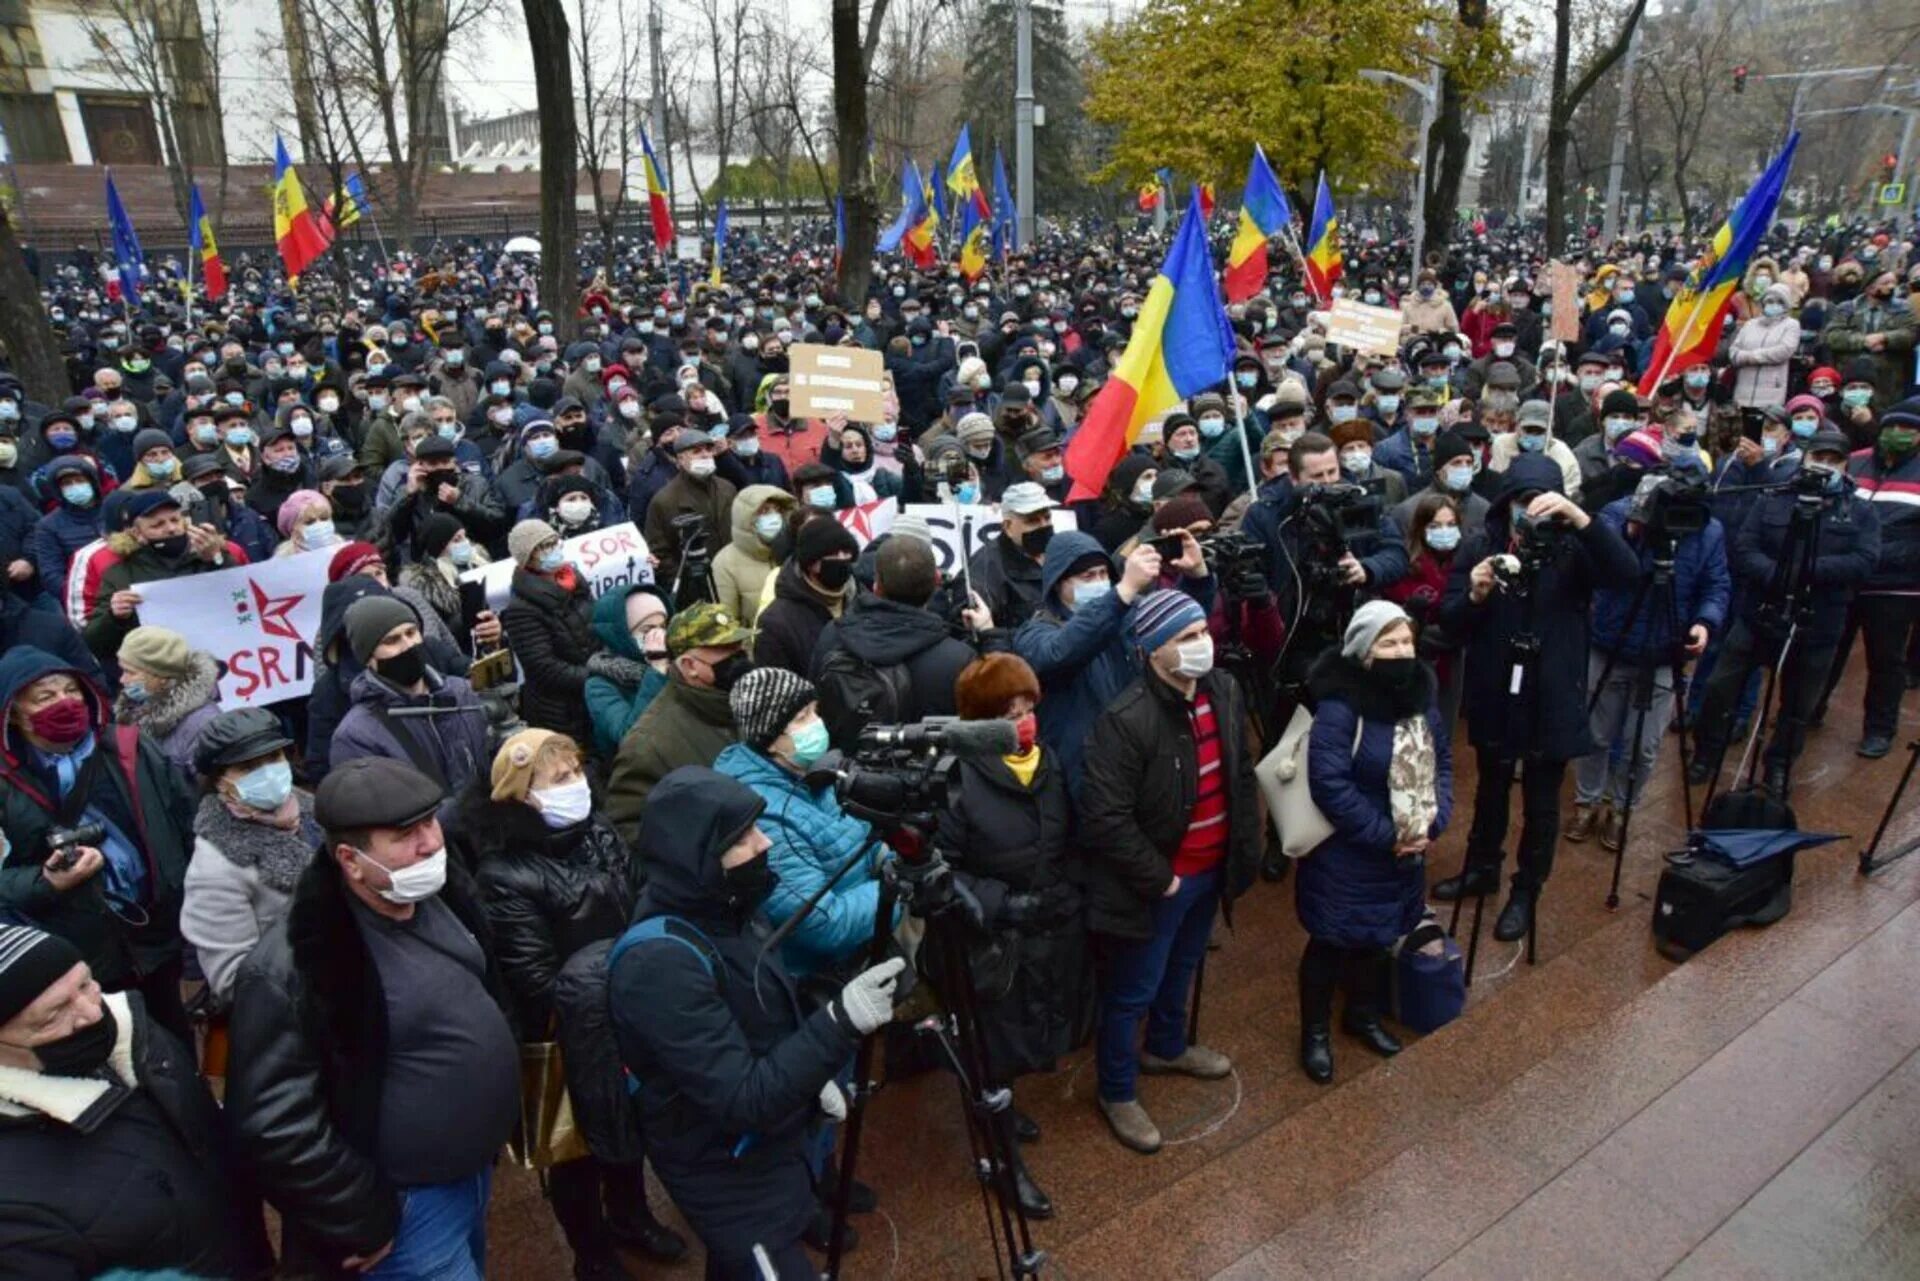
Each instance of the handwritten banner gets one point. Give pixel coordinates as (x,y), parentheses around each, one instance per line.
(606,559)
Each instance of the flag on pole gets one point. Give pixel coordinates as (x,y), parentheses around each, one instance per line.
(962,178)
(1181,345)
(913,208)
(1149,197)
(1206,201)
(1006,214)
(839,232)
(1263,212)
(344,207)
(920,238)
(1691,331)
(300,236)
(657,203)
(201,245)
(719,241)
(937,191)
(974,228)
(129,264)
(1323,244)
(1162,208)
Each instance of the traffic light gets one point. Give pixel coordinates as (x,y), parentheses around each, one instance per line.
(1740,78)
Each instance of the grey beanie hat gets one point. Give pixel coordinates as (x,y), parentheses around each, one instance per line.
(526,538)
(764,700)
(1368,622)
(370,618)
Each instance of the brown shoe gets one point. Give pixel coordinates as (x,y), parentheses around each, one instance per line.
(1132,1126)
(1613,832)
(1195,1060)
(1580,826)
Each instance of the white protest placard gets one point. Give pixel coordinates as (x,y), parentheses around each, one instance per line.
(605,559)
(689,248)
(258,621)
(1358,327)
(868,521)
(961,529)
(824,381)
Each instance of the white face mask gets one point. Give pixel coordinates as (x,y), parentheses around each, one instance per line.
(414,882)
(575,511)
(565,805)
(1196,657)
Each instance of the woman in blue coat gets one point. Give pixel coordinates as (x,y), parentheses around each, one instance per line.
(1380,770)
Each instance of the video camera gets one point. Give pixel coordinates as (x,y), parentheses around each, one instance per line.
(1337,519)
(898,777)
(1540,543)
(1238,562)
(1674,509)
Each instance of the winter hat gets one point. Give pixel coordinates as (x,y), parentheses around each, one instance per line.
(157,650)
(435,532)
(821,537)
(368,621)
(351,559)
(1355,431)
(526,539)
(296,502)
(1861,369)
(975,429)
(912,525)
(150,438)
(1180,512)
(1161,615)
(31,961)
(764,701)
(1125,475)
(1825,373)
(512,775)
(1620,401)
(1450,444)
(1904,414)
(986,685)
(1641,448)
(1368,622)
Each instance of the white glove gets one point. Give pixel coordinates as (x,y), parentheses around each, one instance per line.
(867,1002)
(833,1102)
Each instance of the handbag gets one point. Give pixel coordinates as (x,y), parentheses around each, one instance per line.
(1427,991)
(546,1135)
(1282,775)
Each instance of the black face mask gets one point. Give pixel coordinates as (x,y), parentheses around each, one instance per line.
(172,548)
(748,885)
(1034,541)
(404,669)
(779,407)
(1396,673)
(730,669)
(833,574)
(83,1052)
(351,499)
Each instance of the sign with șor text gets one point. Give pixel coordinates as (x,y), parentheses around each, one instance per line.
(1358,327)
(824,381)
(605,559)
(258,621)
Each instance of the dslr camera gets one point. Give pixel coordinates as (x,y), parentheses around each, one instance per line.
(1238,563)
(65,843)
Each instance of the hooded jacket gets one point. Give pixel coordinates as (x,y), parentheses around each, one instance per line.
(740,570)
(790,626)
(886,633)
(22,625)
(728,1067)
(617,693)
(65,529)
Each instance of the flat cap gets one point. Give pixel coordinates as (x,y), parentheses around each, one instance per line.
(374,791)
(244,734)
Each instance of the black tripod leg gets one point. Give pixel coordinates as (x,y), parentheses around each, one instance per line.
(862,1076)
(1626,812)
(1869,860)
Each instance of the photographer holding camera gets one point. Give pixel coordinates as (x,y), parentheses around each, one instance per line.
(1800,555)
(1518,597)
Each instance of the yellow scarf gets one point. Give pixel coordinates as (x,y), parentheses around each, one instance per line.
(1025,765)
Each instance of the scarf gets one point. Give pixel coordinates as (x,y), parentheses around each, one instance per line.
(1412,779)
(278,853)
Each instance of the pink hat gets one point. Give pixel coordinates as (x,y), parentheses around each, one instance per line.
(1641,448)
(298,501)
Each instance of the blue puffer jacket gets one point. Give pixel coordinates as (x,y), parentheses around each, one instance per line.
(812,836)
(1702,590)
(59,534)
(1353,891)
(1082,656)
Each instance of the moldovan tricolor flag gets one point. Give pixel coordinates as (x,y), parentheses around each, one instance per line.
(656,197)
(1263,213)
(1691,331)
(1181,345)
(1323,245)
(200,244)
(301,236)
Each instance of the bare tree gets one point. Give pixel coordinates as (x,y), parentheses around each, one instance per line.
(610,54)
(1565,98)
(1689,72)
(559,229)
(726,29)
(853,48)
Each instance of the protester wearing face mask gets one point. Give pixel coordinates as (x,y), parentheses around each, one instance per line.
(154,542)
(1167,848)
(1503,348)
(1887,609)
(1762,351)
(549,627)
(442,552)
(237,449)
(1872,338)
(1532,434)
(742,568)
(1354,440)
(102,1102)
(696,491)
(1408,449)
(556,878)
(305,521)
(118,900)
(1435,530)
(391,1006)
(1856,403)
(1381,770)
(167,690)
(809,591)
(71,484)
(689,722)
(631,626)
(1427,310)
(384,635)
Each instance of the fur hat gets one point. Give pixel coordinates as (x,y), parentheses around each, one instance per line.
(986,685)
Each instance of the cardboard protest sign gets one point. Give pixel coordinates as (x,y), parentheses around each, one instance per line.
(258,621)
(605,559)
(1358,327)
(1564,279)
(824,381)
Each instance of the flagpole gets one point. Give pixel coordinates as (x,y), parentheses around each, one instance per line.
(1673,348)
(191,255)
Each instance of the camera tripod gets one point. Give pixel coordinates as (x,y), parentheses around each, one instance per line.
(1871,860)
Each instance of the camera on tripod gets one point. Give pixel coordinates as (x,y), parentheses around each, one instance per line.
(1337,520)
(1675,508)
(1238,563)
(694,582)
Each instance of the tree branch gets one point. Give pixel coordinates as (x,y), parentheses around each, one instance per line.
(1604,61)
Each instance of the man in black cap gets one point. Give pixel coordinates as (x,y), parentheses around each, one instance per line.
(809,591)
(213,502)
(403,708)
(696,491)
(1043,462)
(105,1112)
(436,483)
(154,542)
(374,1076)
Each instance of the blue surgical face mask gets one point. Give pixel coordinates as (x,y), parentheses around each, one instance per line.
(1618,427)
(810,743)
(1085,594)
(1770,446)
(1426,425)
(1247,378)
(885,433)
(460,553)
(768,526)
(1143,492)
(1342,413)
(1803,428)
(500,387)
(136,691)
(265,787)
(542,447)
(1212,427)
(1532,444)
(62,439)
(319,534)
(162,468)
(1443,538)
(1697,380)
(79,493)
(206,434)
(1387,405)
(551,560)
(240,437)
(747,446)
(1054,473)
(1187,453)
(820,496)
(1856,397)
(1459,478)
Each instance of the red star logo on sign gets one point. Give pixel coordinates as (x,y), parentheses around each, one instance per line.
(859,520)
(273,611)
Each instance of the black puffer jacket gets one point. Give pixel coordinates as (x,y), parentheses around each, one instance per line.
(886,633)
(548,894)
(1009,845)
(309,1052)
(550,630)
(1141,777)
(790,626)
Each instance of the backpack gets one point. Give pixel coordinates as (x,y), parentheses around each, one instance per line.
(662,927)
(855,694)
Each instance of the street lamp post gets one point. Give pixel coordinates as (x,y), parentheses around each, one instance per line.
(1429,93)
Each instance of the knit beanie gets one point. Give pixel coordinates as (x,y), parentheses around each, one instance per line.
(821,537)
(150,438)
(31,961)
(1620,401)
(157,650)
(1368,622)
(434,533)
(1180,512)
(986,685)
(974,429)
(1450,444)
(526,538)
(912,525)
(368,621)
(296,502)
(513,764)
(1642,448)
(351,559)
(1160,616)
(764,701)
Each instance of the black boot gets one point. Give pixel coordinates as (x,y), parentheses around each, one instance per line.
(630,1220)
(1025,1128)
(1472,883)
(1316,1052)
(1776,782)
(819,1233)
(1517,916)
(573,1189)
(1365,1026)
